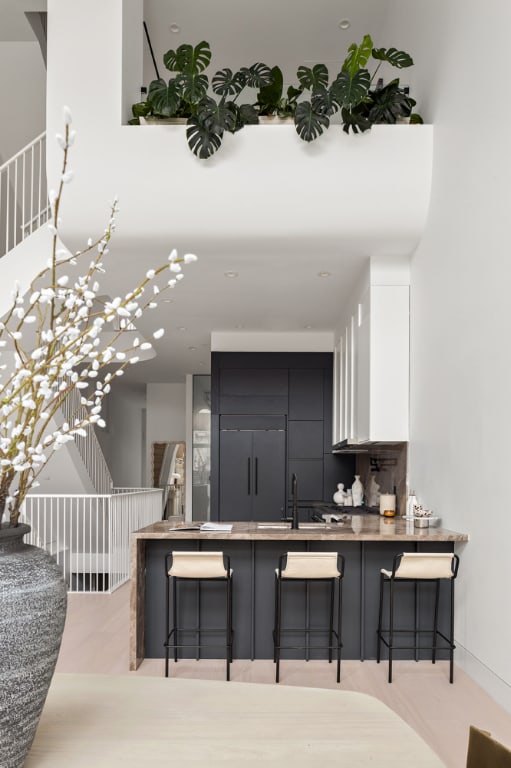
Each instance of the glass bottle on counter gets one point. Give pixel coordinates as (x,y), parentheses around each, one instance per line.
(411,504)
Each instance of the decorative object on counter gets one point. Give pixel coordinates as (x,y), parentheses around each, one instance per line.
(357,492)
(373,493)
(411,504)
(339,496)
(423,518)
(348,501)
(387,502)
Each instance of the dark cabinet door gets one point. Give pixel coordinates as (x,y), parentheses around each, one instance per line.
(235,492)
(269,461)
(252,475)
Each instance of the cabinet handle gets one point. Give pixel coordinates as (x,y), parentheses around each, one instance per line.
(248,475)
(256,474)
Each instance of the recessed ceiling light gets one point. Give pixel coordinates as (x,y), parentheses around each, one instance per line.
(231,274)
(344,24)
(168,301)
(175,28)
(192,349)
(324,274)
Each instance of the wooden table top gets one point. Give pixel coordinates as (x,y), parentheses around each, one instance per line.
(132,721)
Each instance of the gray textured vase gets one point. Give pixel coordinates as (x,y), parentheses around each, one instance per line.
(33,601)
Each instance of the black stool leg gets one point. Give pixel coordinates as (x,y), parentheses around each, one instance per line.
(274,633)
(331,627)
(378,645)
(339,627)
(167,619)
(391,625)
(451,637)
(435,622)
(277,629)
(228,629)
(174,616)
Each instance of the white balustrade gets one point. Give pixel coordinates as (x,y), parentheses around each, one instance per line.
(89,536)
(88,447)
(24,203)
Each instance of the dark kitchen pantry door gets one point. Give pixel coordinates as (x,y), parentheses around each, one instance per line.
(252,474)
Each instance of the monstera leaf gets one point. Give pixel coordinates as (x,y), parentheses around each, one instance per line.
(188,59)
(313,79)
(325,102)
(269,96)
(246,115)
(349,90)
(192,87)
(310,124)
(202,141)
(164,98)
(358,56)
(226,83)
(216,117)
(357,121)
(389,103)
(398,59)
(256,76)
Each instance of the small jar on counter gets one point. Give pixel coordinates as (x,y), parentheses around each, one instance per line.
(388,504)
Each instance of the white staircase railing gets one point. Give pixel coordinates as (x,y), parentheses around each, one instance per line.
(89,536)
(24,205)
(88,447)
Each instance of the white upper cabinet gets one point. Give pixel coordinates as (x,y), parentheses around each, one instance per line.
(371,368)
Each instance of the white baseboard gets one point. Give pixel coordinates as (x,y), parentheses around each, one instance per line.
(497,688)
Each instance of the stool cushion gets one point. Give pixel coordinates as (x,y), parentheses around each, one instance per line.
(311,565)
(198,565)
(424,565)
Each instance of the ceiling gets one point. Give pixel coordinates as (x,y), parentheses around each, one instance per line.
(278,285)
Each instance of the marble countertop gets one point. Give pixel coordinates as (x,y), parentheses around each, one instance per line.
(364,527)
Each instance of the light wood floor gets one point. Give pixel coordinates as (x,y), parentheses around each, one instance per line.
(96,641)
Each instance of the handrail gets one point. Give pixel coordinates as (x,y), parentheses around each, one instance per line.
(24,204)
(89,447)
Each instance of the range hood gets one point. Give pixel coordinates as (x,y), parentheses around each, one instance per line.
(365,446)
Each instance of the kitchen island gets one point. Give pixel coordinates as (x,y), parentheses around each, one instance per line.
(368,543)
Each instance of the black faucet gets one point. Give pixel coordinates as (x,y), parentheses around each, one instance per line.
(294,494)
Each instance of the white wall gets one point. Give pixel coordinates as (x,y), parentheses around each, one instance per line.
(23,90)
(122,438)
(460,283)
(166,417)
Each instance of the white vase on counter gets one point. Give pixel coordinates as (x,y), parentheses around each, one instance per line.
(339,496)
(357,491)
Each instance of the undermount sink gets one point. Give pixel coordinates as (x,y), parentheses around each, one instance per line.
(287,526)
(283,526)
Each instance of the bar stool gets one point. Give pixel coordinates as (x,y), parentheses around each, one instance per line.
(325,567)
(196,566)
(418,567)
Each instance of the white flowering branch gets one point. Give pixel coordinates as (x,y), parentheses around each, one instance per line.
(54,340)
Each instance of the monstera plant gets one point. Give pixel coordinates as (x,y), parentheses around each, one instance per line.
(352,92)
(186,95)
(212,108)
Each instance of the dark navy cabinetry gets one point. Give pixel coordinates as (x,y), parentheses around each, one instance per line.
(271,417)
